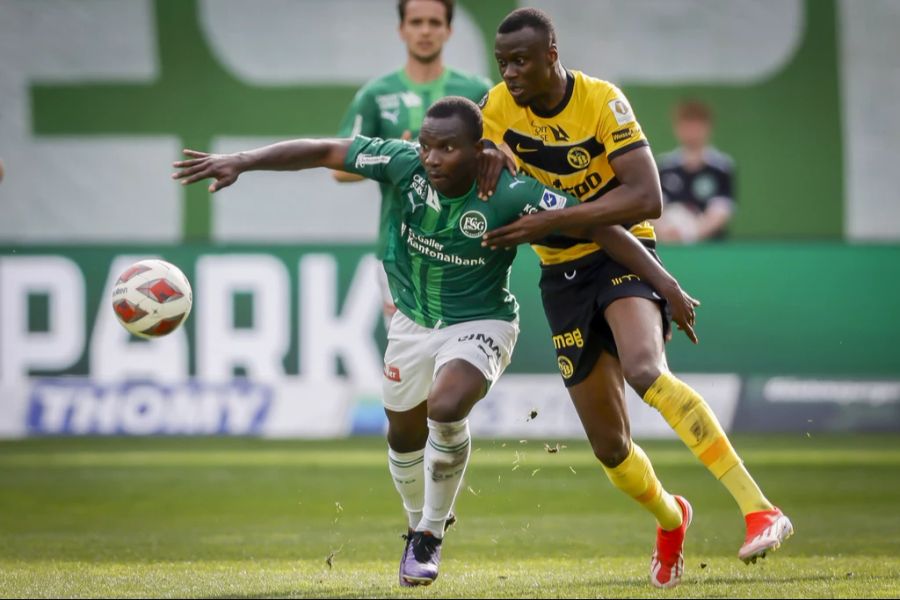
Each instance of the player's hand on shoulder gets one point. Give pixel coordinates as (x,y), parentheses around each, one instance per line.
(682,306)
(491,163)
(224,168)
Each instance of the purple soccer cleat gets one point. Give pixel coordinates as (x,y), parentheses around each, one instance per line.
(408,537)
(420,560)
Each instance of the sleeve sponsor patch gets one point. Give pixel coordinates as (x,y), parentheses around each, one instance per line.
(623,134)
(363,160)
(621,110)
(552,201)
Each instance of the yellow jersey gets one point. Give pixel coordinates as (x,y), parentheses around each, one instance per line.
(568,148)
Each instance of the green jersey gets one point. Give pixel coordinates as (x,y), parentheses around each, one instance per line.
(391,105)
(438,272)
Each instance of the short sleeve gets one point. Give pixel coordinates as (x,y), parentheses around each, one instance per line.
(387,161)
(619,130)
(361,117)
(492,118)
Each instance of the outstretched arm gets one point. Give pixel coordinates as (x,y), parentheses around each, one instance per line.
(624,248)
(293,155)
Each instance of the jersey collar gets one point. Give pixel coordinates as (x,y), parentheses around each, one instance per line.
(570,87)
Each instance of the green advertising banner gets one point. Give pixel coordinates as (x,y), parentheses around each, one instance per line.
(767,309)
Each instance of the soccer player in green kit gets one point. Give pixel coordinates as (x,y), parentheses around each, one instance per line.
(457,322)
(393,106)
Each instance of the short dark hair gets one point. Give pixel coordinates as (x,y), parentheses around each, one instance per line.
(528,17)
(692,109)
(448,7)
(463,108)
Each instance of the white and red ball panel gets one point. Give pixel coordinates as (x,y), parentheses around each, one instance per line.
(152,298)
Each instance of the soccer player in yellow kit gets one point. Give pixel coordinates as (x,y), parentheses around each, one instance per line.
(579,134)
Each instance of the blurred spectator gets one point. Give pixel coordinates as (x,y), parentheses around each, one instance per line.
(697,180)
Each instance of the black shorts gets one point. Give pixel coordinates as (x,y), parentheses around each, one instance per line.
(575,295)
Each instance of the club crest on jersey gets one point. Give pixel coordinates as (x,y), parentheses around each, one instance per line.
(621,111)
(473,224)
(578,157)
(552,201)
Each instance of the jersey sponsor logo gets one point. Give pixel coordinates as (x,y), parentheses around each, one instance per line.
(624,278)
(621,110)
(622,134)
(411,99)
(391,372)
(552,201)
(484,100)
(529,209)
(544,131)
(559,134)
(473,224)
(427,193)
(435,250)
(363,160)
(568,339)
(591,182)
(566,368)
(516,182)
(578,157)
(483,340)
(432,199)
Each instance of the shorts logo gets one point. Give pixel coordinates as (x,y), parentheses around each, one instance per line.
(392,373)
(578,157)
(624,278)
(565,367)
(569,339)
(473,224)
(621,135)
(483,340)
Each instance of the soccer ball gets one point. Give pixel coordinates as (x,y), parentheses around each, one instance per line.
(152,298)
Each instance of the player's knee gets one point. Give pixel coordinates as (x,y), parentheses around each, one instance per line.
(407,439)
(640,372)
(445,409)
(612,450)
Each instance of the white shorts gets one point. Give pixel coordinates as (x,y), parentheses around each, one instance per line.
(415,353)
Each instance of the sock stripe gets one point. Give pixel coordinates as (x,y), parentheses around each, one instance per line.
(406,464)
(653,490)
(715,451)
(448,449)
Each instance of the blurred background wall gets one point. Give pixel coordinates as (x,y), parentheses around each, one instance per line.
(799,321)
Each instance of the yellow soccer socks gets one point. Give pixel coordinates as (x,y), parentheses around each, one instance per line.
(688,414)
(635,477)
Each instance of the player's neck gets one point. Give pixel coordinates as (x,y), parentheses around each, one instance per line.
(423,72)
(557,91)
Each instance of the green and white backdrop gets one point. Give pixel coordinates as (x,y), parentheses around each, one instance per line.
(799,325)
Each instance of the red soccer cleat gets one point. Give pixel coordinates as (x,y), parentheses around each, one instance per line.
(667,563)
(766,530)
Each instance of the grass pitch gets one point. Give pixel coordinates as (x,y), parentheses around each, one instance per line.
(252,518)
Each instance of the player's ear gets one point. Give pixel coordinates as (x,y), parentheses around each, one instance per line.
(553,53)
